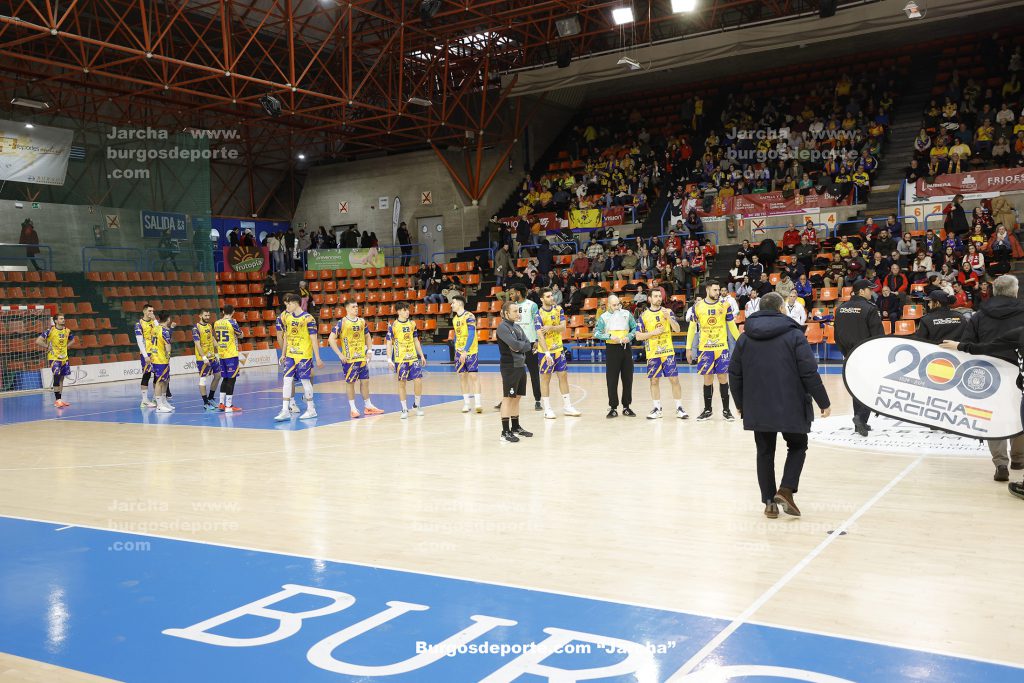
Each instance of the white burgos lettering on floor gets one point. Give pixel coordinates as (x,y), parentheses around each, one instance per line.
(638,659)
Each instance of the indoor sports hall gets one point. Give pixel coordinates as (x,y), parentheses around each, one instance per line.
(264,267)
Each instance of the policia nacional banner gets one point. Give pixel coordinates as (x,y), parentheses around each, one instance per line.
(975,396)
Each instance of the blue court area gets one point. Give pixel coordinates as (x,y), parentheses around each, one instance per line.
(258,393)
(142,608)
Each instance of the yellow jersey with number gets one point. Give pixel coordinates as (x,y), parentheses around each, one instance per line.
(227,333)
(659,346)
(712,326)
(58,341)
(299,332)
(202,333)
(159,346)
(552,317)
(403,336)
(465,332)
(351,336)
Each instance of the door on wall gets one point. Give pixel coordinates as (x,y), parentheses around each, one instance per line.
(430,235)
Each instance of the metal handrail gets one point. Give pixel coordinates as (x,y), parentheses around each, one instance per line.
(47,259)
(490,252)
(87,260)
(936,213)
(522,247)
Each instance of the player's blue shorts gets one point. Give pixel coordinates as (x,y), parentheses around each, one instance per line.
(298,368)
(662,367)
(713,362)
(229,367)
(208,367)
(161,372)
(471,364)
(409,370)
(554,362)
(355,371)
(60,368)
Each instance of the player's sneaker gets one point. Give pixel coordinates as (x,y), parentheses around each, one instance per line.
(655,414)
(509,437)
(164,409)
(571,411)
(704,416)
(537,405)
(479,409)
(405,414)
(147,404)
(353,413)
(293,407)
(466,407)
(210,405)
(727,414)
(419,411)
(519,431)
(372,410)
(498,406)
(682,414)
(283,416)
(60,404)
(310,414)
(221,408)
(233,409)
(169,406)
(549,414)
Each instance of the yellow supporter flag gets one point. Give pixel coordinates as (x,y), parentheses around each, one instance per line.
(586,218)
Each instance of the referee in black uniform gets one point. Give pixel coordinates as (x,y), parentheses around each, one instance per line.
(858,320)
(513,345)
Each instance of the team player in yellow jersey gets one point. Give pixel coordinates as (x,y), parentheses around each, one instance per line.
(207,362)
(160,360)
(56,341)
(655,327)
(710,337)
(145,328)
(228,335)
(466,359)
(354,353)
(550,323)
(301,346)
(405,355)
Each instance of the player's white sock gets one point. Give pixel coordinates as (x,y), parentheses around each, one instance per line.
(367,403)
(657,404)
(145,394)
(309,401)
(227,402)
(679,403)
(404,407)
(223,398)
(546,402)
(565,399)
(287,404)
(465,399)
(476,397)
(352,404)
(417,402)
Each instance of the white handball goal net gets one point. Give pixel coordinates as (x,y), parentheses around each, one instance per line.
(21,359)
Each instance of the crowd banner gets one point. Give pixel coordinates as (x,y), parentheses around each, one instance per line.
(973,185)
(98,373)
(913,381)
(775,203)
(584,218)
(155,223)
(246,259)
(344,259)
(614,216)
(36,155)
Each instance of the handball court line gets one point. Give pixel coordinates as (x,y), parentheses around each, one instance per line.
(680,675)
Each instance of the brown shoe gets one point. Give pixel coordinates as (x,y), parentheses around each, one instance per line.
(771,511)
(784,498)
(1002,474)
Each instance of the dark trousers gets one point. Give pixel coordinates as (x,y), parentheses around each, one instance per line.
(861,412)
(796,452)
(534,368)
(620,366)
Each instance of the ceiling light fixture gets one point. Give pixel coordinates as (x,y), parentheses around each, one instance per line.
(679,6)
(622,15)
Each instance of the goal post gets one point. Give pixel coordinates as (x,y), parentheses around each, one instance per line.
(21,359)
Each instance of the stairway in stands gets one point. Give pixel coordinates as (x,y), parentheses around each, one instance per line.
(898,149)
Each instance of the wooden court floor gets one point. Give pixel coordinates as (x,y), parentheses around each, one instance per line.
(661,513)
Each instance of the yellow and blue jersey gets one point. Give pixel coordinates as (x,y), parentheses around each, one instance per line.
(351,336)
(659,346)
(227,333)
(552,317)
(202,333)
(159,348)
(403,336)
(299,332)
(712,326)
(465,333)
(58,341)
